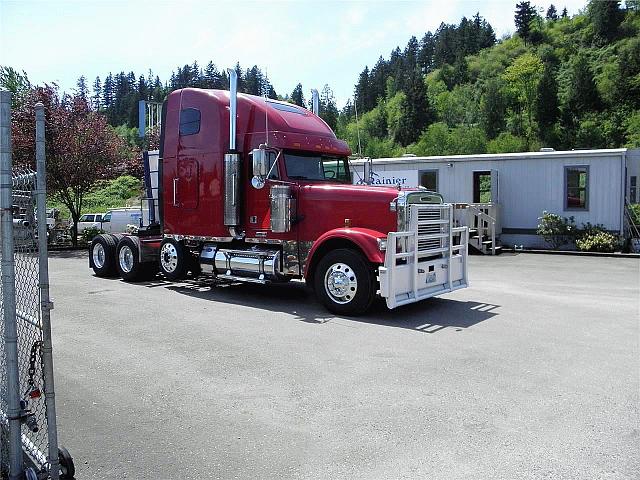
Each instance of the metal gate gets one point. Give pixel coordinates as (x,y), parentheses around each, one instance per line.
(29,444)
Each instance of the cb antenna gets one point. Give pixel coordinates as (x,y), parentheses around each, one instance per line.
(355,106)
(266,107)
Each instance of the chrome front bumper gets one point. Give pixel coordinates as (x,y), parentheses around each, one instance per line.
(428,259)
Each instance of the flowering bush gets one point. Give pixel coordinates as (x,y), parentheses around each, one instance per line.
(556,230)
(597,242)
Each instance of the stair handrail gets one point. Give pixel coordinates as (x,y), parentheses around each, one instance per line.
(635,231)
(492,229)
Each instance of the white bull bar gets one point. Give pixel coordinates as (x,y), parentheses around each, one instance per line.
(428,259)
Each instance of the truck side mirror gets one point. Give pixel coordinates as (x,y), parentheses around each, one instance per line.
(260,162)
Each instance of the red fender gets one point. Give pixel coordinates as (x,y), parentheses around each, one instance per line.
(365,238)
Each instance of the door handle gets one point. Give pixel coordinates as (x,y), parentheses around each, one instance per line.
(175,188)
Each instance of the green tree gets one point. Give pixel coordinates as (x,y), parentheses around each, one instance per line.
(552,13)
(416,113)
(16,82)
(525,13)
(523,77)
(547,106)
(507,143)
(605,17)
(583,93)
(328,109)
(493,107)
(297,96)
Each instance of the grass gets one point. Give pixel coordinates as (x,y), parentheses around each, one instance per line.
(124,191)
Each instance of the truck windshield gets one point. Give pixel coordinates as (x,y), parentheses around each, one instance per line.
(315,167)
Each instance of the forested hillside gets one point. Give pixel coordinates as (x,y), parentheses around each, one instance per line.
(558,82)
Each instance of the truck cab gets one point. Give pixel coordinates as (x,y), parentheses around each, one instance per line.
(258,190)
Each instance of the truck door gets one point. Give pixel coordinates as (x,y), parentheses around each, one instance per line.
(258,211)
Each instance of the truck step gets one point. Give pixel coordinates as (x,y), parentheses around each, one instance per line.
(235,278)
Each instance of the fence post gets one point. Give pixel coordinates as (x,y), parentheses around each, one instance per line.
(9,290)
(45,305)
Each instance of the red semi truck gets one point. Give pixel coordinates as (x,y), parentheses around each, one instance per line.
(273,200)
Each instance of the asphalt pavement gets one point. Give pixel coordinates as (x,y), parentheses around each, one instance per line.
(531,373)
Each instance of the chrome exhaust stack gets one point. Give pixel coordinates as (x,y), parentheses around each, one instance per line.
(315,101)
(232,167)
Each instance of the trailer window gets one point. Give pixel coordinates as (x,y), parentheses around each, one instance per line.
(576,182)
(317,168)
(189,121)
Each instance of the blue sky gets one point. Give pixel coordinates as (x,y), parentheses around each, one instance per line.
(312,42)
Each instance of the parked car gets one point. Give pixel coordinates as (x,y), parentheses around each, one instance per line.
(88,220)
(116,220)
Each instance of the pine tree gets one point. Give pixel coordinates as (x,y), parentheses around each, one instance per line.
(552,13)
(82,90)
(425,54)
(493,108)
(96,99)
(605,18)
(564,14)
(416,114)
(525,13)
(363,92)
(328,109)
(583,93)
(107,91)
(297,96)
(547,111)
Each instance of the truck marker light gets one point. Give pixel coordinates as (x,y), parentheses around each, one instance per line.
(296,144)
(347,223)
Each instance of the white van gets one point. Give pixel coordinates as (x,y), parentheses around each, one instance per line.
(116,220)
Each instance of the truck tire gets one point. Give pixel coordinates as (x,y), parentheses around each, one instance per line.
(344,282)
(128,261)
(175,260)
(102,255)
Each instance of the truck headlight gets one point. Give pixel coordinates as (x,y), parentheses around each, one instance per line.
(382,244)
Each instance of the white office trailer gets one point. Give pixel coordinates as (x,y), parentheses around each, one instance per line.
(512,190)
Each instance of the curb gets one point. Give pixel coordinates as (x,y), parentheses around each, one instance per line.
(576,253)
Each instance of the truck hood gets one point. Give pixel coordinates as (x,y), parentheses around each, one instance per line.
(326,207)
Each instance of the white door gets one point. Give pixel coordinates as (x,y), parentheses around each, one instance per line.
(495,187)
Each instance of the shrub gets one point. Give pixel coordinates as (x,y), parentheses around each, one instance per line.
(556,230)
(634,211)
(597,242)
(590,229)
(88,233)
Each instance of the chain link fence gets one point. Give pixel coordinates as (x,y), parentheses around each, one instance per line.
(29,447)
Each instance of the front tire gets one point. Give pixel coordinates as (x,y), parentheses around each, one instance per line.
(344,282)
(175,260)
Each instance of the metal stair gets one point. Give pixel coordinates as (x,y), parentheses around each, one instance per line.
(484,230)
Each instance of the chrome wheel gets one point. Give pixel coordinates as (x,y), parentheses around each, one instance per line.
(169,257)
(125,257)
(99,255)
(340,283)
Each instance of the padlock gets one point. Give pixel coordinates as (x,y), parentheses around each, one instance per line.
(35,393)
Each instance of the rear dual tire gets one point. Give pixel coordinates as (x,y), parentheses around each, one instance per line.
(102,255)
(128,261)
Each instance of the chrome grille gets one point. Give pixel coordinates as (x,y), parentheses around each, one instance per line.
(432,223)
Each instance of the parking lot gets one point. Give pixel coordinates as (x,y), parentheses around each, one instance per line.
(532,372)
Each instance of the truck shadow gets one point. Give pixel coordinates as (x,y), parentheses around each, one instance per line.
(429,316)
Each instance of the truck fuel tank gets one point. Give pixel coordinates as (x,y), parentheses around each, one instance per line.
(254,262)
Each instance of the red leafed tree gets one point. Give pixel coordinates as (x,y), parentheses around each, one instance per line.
(81,148)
